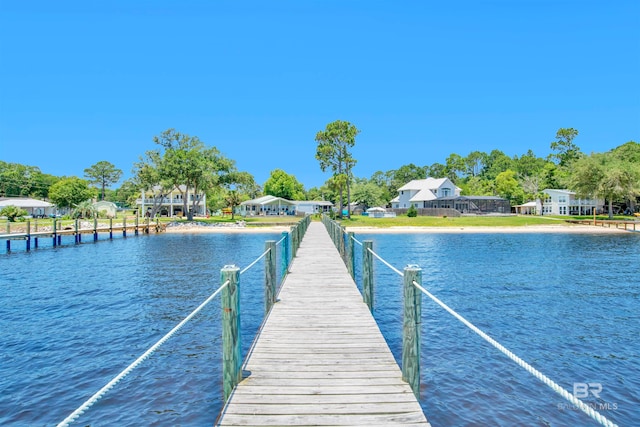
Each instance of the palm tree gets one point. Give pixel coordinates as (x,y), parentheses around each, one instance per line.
(84,210)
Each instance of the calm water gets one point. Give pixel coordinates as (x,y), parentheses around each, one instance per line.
(74,317)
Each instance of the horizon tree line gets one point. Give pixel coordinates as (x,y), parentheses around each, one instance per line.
(180,159)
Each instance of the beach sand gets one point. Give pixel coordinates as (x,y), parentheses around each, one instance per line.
(555,228)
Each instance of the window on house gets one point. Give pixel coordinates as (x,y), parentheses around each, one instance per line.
(445,192)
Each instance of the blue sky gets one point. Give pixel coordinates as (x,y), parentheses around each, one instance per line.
(86,81)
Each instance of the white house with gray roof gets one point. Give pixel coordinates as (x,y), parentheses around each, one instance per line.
(419,191)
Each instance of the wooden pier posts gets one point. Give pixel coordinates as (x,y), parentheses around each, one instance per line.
(351,254)
(285,253)
(269,276)
(367,274)
(411,328)
(231,348)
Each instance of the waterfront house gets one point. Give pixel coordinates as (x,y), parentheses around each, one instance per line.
(108,208)
(313,206)
(171,202)
(565,202)
(35,208)
(415,193)
(268,205)
(440,196)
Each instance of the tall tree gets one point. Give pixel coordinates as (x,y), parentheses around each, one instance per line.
(508,187)
(103,174)
(565,149)
(604,175)
(281,184)
(475,162)
(333,153)
(368,193)
(188,165)
(69,192)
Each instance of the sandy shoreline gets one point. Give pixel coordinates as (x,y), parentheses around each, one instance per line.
(556,228)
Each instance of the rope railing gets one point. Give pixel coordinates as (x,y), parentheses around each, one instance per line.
(230,312)
(412,276)
(93,399)
(533,371)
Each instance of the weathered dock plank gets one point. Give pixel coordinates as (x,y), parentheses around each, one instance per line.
(320,358)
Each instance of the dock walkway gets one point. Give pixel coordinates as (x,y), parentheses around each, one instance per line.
(320,358)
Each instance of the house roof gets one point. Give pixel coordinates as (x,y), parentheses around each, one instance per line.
(426,188)
(526,205)
(24,202)
(554,190)
(313,202)
(268,200)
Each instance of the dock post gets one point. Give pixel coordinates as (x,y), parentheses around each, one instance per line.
(95,228)
(76,232)
(269,276)
(367,274)
(110,228)
(124,225)
(35,239)
(294,238)
(351,254)
(411,328)
(8,239)
(231,349)
(28,236)
(285,253)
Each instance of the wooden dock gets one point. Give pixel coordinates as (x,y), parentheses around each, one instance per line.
(320,358)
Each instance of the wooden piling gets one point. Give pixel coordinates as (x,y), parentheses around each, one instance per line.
(351,254)
(231,348)
(269,275)
(367,274)
(284,254)
(411,328)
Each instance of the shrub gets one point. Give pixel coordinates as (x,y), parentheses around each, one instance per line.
(12,212)
(412,212)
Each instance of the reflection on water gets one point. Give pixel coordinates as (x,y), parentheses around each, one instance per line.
(74,317)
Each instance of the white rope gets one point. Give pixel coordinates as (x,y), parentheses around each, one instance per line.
(533,371)
(93,399)
(356,240)
(281,240)
(255,262)
(386,263)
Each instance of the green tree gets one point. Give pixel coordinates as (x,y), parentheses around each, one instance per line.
(368,194)
(529,164)
(604,175)
(103,174)
(185,163)
(84,209)
(68,192)
(12,212)
(436,170)
(508,187)
(23,180)
(281,184)
(455,166)
(565,149)
(233,199)
(496,163)
(333,153)
(474,163)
